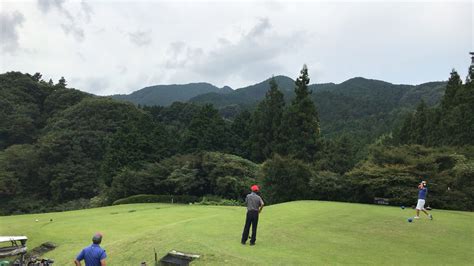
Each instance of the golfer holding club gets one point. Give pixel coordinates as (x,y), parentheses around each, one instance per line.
(254,207)
(422,191)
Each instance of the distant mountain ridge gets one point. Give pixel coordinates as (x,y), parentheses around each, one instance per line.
(381,91)
(165,95)
(202,92)
(361,106)
(358,87)
(245,96)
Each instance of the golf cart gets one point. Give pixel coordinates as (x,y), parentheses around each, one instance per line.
(16,247)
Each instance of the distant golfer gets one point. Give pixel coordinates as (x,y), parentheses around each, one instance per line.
(422,191)
(93,255)
(254,207)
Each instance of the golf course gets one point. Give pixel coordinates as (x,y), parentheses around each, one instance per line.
(297,233)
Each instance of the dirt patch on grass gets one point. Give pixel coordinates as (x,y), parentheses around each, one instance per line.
(39,251)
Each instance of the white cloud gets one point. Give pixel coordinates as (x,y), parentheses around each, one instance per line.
(140,38)
(9,24)
(46,5)
(86,11)
(69,24)
(109,47)
(71,28)
(255,55)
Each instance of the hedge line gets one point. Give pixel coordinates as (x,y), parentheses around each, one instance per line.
(145,198)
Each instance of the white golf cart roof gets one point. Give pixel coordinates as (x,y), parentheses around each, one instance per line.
(12,238)
(17,247)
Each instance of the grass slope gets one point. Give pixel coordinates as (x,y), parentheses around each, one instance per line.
(303,232)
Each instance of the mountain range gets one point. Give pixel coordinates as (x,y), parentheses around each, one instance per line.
(165,95)
(360,88)
(360,106)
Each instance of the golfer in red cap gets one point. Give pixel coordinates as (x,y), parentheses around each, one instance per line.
(254,207)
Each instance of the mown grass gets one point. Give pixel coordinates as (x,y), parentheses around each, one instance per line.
(295,233)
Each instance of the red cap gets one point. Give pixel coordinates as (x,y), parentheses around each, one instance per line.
(254,188)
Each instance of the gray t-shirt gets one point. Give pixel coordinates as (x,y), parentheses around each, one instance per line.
(253,202)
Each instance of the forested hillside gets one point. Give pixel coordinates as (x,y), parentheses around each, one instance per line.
(62,149)
(363,107)
(247,96)
(450,123)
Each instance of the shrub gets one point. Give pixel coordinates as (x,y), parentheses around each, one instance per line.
(325,185)
(214,200)
(144,198)
(100,200)
(22,205)
(285,179)
(77,204)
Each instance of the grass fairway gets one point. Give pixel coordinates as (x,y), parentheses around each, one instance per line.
(303,232)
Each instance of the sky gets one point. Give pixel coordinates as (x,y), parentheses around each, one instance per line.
(116,47)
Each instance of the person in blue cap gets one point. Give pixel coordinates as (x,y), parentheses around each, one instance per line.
(93,255)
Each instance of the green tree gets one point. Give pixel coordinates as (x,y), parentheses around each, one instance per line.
(450,124)
(21,98)
(470,74)
(337,155)
(433,130)
(128,182)
(125,148)
(61,99)
(241,130)
(9,181)
(464,181)
(394,172)
(61,83)
(198,174)
(457,122)
(285,179)
(257,139)
(266,124)
(419,124)
(207,131)
(37,77)
(326,185)
(300,130)
(135,144)
(403,133)
(453,86)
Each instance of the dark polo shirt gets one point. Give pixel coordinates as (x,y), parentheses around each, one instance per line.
(253,202)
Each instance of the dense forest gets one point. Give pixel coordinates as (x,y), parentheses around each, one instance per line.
(363,108)
(61,148)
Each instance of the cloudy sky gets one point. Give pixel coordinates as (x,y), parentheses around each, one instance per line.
(107,47)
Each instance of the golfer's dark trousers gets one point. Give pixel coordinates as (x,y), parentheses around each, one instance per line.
(252,219)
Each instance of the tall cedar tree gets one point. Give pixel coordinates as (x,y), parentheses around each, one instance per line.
(419,124)
(266,124)
(470,74)
(240,130)
(453,86)
(300,129)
